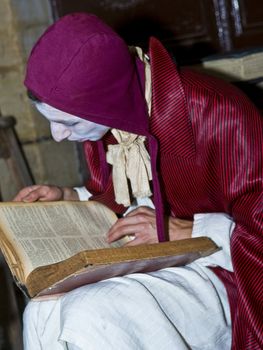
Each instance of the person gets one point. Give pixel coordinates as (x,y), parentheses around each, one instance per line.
(150,130)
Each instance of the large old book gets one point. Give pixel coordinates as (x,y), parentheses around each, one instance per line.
(53,247)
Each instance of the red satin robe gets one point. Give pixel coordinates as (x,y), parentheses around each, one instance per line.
(210,160)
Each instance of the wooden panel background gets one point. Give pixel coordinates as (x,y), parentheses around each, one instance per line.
(183,26)
(191,29)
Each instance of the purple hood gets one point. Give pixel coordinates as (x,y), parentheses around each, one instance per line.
(65,71)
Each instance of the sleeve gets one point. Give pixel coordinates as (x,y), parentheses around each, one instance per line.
(218,227)
(240,149)
(83,193)
(140,202)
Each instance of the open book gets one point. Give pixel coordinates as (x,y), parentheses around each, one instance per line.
(54,247)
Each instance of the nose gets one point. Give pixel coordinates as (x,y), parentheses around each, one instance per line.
(59,131)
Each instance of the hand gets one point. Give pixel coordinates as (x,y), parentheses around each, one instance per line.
(140,223)
(45,193)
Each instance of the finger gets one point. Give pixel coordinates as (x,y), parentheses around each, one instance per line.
(145,238)
(134,242)
(41,193)
(127,230)
(35,195)
(123,224)
(127,221)
(24,192)
(18,197)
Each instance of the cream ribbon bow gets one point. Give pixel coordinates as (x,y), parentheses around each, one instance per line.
(130,160)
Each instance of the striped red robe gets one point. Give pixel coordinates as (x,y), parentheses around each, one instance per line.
(210,160)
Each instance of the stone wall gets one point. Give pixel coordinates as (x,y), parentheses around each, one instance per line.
(22,22)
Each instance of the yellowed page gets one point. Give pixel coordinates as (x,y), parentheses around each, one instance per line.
(12,258)
(45,233)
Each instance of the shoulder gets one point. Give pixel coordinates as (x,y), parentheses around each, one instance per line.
(213,98)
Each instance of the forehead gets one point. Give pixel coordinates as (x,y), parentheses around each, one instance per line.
(53,114)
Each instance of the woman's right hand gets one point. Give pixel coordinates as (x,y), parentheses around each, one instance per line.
(45,193)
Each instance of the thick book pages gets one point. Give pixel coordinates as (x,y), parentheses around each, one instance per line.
(54,247)
(241,66)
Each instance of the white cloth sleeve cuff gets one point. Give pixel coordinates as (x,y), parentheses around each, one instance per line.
(218,227)
(83,193)
(139,202)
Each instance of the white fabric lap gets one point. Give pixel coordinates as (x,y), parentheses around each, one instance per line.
(46,322)
(175,308)
(42,323)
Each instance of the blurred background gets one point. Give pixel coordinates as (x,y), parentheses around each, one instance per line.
(221,37)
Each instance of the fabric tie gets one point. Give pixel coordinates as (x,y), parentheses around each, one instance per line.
(130,160)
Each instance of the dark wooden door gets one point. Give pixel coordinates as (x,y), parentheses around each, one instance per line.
(191,29)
